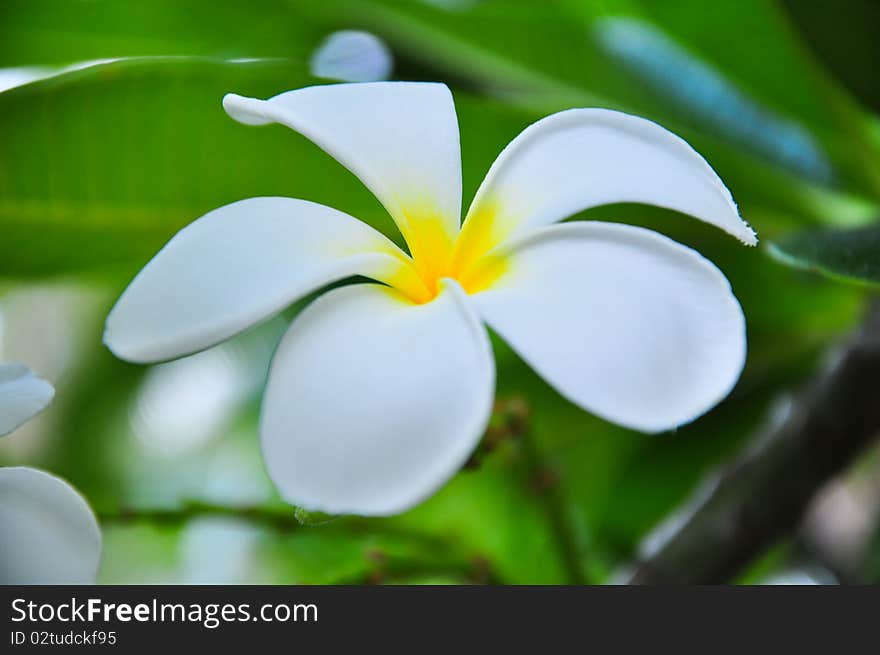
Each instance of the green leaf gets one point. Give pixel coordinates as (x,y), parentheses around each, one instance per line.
(51,33)
(495,515)
(851,255)
(844,35)
(742,102)
(100,167)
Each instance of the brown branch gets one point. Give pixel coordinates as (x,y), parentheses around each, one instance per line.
(737,514)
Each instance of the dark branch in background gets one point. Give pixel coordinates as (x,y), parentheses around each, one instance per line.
(758,499)
(838,528)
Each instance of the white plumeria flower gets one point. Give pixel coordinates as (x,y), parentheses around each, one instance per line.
(48,533)
(379,392)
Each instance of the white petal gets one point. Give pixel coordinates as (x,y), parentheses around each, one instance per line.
(352,56)
(235,266)
(582,158)
(374,402)
(622,321)
(48,533)
(399,138)
(22,396)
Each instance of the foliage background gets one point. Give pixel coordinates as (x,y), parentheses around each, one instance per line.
(101,165)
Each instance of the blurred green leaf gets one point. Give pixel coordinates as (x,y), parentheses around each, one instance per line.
(47,32)
(495,515)
(844,36)
(851,255)
(237,551)
(364,551)
(770,563)
(101,166)
(695,73)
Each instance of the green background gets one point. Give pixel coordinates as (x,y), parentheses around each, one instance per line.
(99,167)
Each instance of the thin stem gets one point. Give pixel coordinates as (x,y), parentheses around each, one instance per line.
(278,519)
(445,557)
(545,481)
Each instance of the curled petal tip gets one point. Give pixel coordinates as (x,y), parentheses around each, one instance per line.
(744,233)
(248,111)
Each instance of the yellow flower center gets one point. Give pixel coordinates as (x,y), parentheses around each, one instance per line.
(466,258)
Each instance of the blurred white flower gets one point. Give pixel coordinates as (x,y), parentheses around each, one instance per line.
(379,392)
(22,396)
(48,533)
(29,318)
(352,56)
(220,551)
(184,403)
